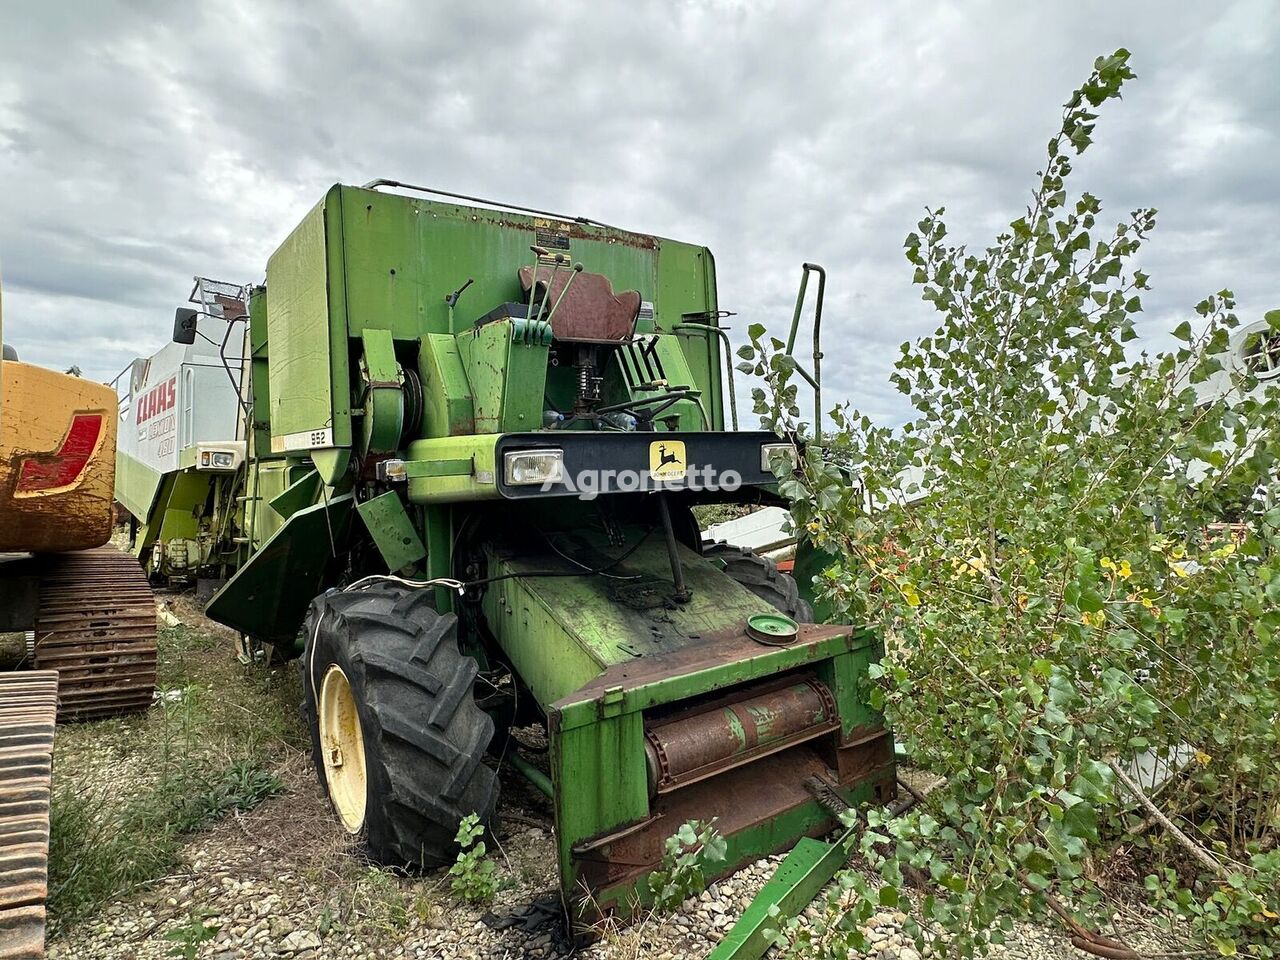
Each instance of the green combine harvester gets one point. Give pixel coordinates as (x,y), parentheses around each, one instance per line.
(473,441)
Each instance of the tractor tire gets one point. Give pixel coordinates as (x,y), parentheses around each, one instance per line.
(400,750)
(762,577)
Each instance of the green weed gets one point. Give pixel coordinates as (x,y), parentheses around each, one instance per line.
(189,936)
(680,875)
(474,875)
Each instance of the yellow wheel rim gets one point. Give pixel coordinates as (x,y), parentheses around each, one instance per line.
(342,746)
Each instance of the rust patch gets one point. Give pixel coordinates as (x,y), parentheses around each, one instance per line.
(738,800)
(712,650)
(590,312)
(695,747)
(601,233)
(233,308)
(28,707)
(866,753)
(96,626)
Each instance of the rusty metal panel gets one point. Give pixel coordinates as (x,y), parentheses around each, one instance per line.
(28,710)
(867,754)
(760,809)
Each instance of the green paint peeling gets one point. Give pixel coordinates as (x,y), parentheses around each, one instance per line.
(763,718)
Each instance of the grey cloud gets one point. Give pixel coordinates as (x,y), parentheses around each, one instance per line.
(142,143)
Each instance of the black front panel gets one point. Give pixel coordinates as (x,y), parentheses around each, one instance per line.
(606,462)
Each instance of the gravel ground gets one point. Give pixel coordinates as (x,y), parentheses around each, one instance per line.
(283,880)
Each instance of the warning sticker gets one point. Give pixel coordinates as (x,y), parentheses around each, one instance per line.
(552,236)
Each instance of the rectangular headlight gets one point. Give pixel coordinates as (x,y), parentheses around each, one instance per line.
(218,458)
(526,467)
(772,453)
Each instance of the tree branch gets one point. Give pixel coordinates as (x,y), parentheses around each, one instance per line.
(1200,853)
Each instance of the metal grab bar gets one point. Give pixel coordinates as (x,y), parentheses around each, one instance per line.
(679,328)
(815,378)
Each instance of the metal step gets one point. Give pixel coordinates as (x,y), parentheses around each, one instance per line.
(28,711)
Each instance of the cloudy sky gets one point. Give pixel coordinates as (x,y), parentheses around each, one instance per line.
(142,143)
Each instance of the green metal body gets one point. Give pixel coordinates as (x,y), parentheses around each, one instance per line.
(810,564)
(385,393)
(368,260)
(392,530)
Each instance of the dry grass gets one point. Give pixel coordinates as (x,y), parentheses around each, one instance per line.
(128,791)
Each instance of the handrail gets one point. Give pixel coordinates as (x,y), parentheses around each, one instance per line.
(116,379)
(723,334)
(815,379)
(401,185)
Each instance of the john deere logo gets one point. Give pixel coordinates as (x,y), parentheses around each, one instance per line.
(667,460)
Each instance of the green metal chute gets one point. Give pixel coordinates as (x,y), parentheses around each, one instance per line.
(268,596)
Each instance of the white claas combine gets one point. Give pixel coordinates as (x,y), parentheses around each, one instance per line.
(181,436)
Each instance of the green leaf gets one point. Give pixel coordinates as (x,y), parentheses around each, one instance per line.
(1090,600)
(1037,881)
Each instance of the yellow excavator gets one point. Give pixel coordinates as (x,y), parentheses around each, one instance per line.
(77,616)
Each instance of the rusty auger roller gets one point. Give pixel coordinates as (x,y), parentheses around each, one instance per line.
(97,627)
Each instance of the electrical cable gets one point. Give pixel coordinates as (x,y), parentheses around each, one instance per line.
(461,586)
(582,566)
(311,660)
(585,572)
(359,584)
(450,582)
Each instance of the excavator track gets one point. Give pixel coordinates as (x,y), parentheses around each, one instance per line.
(97,627)
(28,710)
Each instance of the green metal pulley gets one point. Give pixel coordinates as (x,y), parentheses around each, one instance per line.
(772,628)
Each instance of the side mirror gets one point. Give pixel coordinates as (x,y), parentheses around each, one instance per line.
(184,325)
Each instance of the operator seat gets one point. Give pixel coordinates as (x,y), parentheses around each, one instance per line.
(590,312)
